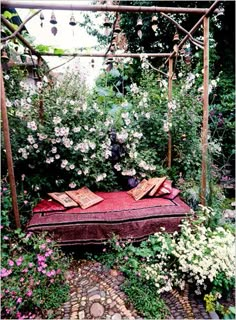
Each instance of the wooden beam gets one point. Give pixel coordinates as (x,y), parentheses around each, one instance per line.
(76,5)
(96,54)
(19,36)
(195,27)
(170,74)
(205,112)
(7,144)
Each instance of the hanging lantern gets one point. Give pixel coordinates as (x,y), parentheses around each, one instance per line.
(72,21)
(176,37)
(4,55)
(54,30)
(139,27)
(41,18)
(92,63)
(154,23)
(53,18)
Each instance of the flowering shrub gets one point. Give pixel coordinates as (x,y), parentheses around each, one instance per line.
(32,267)
(201,254)
(32,275)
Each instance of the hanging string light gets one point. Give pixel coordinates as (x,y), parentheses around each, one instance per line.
(41,18)
(154,23)
(139,28)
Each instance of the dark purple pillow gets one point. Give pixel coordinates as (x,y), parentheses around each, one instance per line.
(174,192)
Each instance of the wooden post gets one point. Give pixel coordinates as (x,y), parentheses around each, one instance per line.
(205,111)
(169,112)
(7,142)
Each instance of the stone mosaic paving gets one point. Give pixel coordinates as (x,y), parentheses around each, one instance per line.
(96,294)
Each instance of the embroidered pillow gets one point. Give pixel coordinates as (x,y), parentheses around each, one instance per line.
(174,193)
(157,184)
(63,199)
(84,197)
(141,190)
(164,189)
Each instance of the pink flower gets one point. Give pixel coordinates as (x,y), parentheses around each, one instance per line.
(4,189)
(25,270)
(41,258)
(25,192)
(126,258)
(25,201)
(10,263)
(43,246)
(52,280)
(29,293)
(5,273)
(5,238)
(22,279)
(48,240)
(48,253)
(19,261)
(30,264)
(19,300)
(58,271)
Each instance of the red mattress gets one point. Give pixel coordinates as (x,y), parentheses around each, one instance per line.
(117,214)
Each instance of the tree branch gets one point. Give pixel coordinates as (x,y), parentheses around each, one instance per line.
(60,65)
(20,27)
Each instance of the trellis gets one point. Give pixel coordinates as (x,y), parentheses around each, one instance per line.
(69,5)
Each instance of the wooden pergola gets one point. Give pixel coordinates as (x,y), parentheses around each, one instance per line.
(76,6)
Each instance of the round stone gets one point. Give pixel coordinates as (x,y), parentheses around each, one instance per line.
(116,316)
(96,310)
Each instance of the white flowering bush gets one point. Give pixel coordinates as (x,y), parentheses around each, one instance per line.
(202,254)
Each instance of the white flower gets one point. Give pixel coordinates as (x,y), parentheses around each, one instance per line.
(101,177)
(30,139)
(129,172)
(76,129)
(79,172)
(147,115)
(35,145)
(6,77)
(32,125)
(134,88)
(92,145)
(137,135)
(57,156)
(72,102)
(56,120)
(86,171)
(72,185)
(64,163)
(72,166)
(54,150)
(117,166)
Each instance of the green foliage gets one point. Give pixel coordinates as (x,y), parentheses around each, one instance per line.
(143,297)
